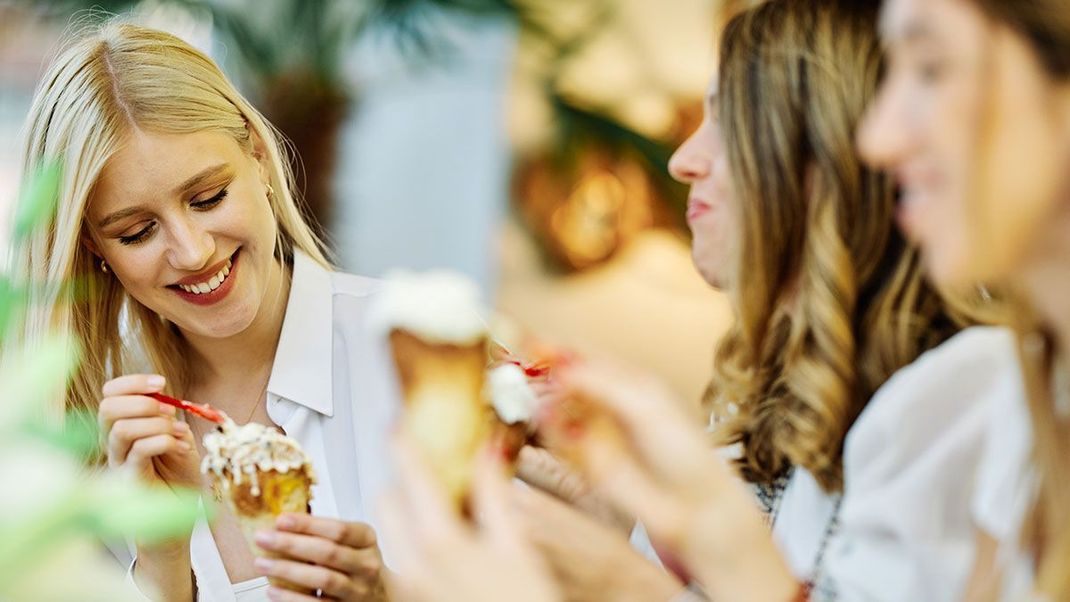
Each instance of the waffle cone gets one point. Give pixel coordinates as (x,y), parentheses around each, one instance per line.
(444,413)
(278,493)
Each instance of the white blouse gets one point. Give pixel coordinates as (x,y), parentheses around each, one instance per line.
(1005,491)
(910,461)
(333,389)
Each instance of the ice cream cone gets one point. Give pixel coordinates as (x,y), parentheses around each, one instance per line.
(259,473)
(278,493)
(444,413)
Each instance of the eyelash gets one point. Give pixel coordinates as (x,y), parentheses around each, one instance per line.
(145,232)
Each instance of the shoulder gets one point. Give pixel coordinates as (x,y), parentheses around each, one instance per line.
(969,364)
(944,396)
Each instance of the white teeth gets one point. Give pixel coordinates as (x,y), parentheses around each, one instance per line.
(212,283)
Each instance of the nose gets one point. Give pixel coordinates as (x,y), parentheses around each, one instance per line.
(690,162)
(192,247)
(883,137)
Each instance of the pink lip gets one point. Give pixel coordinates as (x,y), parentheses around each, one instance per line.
(215,296)
(696,209)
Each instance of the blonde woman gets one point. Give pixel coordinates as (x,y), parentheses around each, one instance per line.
(974,119)
(176,209)
(845,392)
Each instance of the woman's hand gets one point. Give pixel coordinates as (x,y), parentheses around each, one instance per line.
(440,558)
(592,562)
(692,504)
(542,470)
(339,558)
(144,435)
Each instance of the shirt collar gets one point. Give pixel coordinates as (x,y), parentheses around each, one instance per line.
(302,371)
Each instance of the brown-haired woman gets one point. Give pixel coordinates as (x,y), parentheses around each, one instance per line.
(844,391)
(974,118)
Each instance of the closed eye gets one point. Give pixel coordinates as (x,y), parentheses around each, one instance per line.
(140,236)
(209,203)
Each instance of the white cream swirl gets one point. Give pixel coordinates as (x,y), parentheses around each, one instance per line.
(234,453)
(439,306)
(508,389)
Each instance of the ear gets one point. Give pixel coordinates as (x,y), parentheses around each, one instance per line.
(260,152)
(90,244)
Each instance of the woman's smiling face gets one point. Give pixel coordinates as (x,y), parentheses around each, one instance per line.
(183,221)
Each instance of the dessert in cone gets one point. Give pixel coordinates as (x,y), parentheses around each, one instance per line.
(513,404)
(444,412)
(439,346)
(259,473)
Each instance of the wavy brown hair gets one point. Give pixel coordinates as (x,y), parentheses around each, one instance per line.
(829,298)
(1045,25)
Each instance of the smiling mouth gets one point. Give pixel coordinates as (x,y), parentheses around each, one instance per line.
(210,283)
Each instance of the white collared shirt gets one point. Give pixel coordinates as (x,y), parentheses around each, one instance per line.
(333,389)
(910,463)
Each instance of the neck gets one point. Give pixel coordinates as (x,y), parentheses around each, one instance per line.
(250,353)
(1046,283)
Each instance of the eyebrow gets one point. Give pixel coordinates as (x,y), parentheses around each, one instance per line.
(190,183)
(915,30)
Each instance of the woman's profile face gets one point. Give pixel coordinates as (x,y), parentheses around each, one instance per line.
(183,222)
(702,163)
(976,134)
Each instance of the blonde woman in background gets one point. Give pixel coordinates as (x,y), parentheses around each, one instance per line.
(848,397)
(974,119)
(176,209)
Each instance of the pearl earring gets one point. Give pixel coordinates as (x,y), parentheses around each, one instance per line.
(103,266)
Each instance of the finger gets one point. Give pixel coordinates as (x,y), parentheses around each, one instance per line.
(541,469)
(354,535)
(131,384)
(434,518)
(626,484)
(144,450)
(324,552)
(663,435)
(119,407)
(492,501)
(331,582)
(125,432)
(406,555)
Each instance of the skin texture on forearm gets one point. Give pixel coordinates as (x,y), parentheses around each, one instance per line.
(165,572)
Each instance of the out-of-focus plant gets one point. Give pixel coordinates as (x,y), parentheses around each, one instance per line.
(56,508)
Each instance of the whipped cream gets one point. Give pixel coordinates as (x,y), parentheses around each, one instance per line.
(508,389)
(438,306)
(234,453)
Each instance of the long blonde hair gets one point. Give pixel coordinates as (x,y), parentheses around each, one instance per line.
(99,88)
(829,298)
(1045,25)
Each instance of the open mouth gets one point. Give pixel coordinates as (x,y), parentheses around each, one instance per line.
(210,288)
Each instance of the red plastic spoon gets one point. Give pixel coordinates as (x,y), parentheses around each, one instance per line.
(203,410)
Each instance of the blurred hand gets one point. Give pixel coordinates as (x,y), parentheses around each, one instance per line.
(539,468)
(342,559)
(144,435)
(442,559)
(592,562)
(689,500)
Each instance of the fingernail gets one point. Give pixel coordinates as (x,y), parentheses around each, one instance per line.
(286,522)
(263,564)
(265,538)
(156,381)
(180,428)
(185,446)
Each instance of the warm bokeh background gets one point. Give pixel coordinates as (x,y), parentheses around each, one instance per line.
(523,143)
